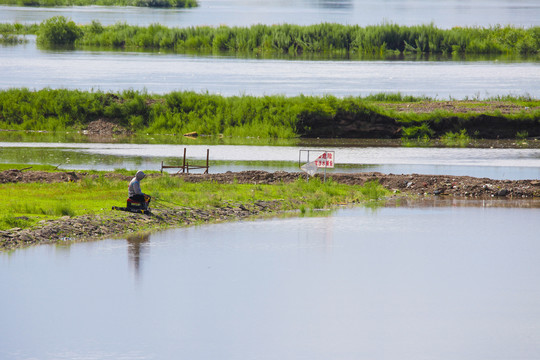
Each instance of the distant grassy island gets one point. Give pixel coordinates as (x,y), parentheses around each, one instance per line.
(293,40)
(376,116)
(142,3)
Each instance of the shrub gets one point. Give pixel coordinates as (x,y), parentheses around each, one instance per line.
(58,31)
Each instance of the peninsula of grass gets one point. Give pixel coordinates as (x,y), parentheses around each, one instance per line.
(95,194)
(275,116)
(141,3)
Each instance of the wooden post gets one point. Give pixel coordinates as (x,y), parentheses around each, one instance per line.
(184,163)
(207,156)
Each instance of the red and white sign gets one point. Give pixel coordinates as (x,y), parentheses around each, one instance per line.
(326,160)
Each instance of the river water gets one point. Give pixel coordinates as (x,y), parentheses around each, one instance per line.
(426,281)
(26,66)
(445,14)
(511,164)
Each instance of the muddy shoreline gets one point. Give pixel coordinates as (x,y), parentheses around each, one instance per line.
(90,227)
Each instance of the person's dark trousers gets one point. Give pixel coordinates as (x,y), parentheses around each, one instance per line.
(140,199)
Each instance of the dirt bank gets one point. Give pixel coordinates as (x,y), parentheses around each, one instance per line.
(116,223)
(481,120)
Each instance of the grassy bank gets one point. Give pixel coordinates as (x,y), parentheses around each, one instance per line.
(95,195)
(142,3)
(389,115)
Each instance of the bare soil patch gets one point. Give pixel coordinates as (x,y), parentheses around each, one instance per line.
(461,106)
(105,127)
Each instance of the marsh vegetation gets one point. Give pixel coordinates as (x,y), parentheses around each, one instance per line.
(296,40)
(320,38)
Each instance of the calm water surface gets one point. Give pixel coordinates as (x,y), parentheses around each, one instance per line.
(416,282)
(26,66)
(445,14)
(512,164)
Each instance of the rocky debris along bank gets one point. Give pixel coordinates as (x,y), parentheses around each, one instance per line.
(99,226)
(423,185)
(92,227)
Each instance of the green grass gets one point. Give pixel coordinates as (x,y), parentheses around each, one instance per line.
(460,139)
(267,117)
(37,201)
(312,194)
(141,3)
(296,40)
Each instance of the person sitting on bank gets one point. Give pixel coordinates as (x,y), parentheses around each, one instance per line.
(134,190)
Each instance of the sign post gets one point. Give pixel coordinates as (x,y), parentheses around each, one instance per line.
(326,159)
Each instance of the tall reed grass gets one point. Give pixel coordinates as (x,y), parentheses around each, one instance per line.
(296,40)
(319,38)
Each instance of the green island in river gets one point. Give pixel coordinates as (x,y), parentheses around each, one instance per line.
(352,41)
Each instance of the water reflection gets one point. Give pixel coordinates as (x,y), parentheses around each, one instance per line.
(137,250)
(334,4)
